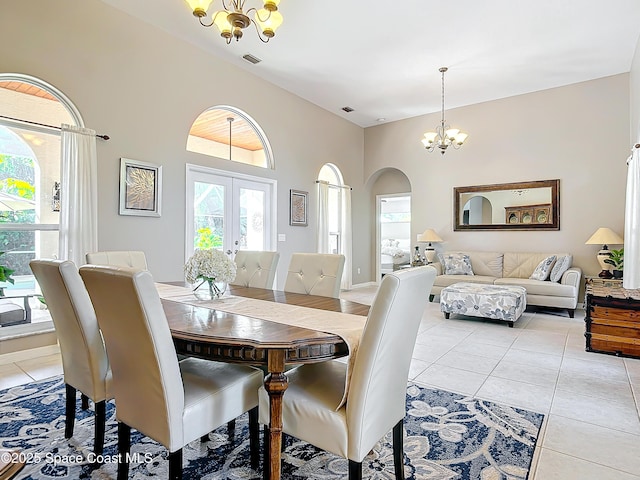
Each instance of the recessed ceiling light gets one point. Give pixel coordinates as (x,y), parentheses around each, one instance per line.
(381,119)
(347,109)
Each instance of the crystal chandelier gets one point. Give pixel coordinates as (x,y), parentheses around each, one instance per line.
(444,136)
(233,18)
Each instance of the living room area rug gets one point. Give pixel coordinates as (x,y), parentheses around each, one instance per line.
(447,436)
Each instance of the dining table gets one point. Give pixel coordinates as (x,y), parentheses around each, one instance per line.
(268,335)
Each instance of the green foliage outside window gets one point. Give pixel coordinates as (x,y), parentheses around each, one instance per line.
(207,239)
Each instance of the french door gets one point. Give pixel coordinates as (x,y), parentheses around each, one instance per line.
(228,211)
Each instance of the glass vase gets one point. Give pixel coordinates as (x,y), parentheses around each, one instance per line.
(210,289)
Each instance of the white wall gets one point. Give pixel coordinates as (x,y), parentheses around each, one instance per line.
(578,133)
(144,89)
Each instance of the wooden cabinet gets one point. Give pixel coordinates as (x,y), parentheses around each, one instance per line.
(528,214)
(612,321)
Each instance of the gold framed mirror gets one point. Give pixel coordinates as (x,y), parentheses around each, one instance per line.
(508,206)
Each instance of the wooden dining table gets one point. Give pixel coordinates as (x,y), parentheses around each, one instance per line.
(205,332)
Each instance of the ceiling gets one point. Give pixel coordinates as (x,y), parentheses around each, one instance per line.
(381,58)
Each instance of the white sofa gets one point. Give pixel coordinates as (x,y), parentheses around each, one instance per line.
(515,268)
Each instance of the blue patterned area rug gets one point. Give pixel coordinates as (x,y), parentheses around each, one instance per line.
(447,436)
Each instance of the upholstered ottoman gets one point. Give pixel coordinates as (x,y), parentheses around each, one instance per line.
(500,302)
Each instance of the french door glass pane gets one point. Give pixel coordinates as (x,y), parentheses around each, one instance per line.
(208,207)
(252,210)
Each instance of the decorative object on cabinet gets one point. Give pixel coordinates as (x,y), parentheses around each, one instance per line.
(612,319)
(528,213)
(430,236)
(298,208)
(417,261)
(531,205)
(604,236)
(617,260)
(140,188)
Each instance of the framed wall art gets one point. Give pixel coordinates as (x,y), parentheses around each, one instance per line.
(298,208)
(140,188)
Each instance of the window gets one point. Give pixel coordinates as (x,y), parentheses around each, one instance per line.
(229,133)
(30,173)
(330,174)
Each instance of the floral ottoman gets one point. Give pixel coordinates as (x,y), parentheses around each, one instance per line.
(500,302)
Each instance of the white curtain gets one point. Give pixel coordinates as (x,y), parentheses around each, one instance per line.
(78,194)
(345,247)
(323,217)
(631,278)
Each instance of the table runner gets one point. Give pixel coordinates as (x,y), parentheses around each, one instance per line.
(346,325)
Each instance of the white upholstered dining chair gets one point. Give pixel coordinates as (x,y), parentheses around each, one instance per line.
(376,400)
(255,268)
(315,274)
(119,258)
(84,359)
(171,402)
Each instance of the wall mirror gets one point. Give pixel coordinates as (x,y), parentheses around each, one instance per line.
(508,206)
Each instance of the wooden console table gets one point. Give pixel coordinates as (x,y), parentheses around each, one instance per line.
(612,322)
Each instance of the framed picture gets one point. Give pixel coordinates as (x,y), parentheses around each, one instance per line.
(140,188)
(298,208)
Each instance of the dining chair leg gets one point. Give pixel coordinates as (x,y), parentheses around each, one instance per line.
(204,438)
(398,450)
(84,401)
(355,470)
(101,418)
(70,410)
(254,438)
(175,465)
(266,457)
(124,447)
(231,427)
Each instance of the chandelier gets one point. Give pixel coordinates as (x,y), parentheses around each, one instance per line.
(444,136)
(233,18)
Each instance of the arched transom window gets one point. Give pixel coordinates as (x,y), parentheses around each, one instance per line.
(229,133)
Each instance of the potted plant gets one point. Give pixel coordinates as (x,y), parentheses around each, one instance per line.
(5,275)
(616,258)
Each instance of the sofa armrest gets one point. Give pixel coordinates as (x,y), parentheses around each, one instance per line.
(572,277)
(437,266)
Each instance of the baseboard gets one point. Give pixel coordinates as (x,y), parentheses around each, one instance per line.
(29,353)
(363,285)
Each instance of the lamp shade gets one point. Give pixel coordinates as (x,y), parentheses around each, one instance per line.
(605,236)
(429,236)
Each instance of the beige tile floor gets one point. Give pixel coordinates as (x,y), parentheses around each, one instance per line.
(591,401)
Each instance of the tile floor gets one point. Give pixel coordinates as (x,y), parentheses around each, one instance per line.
(591,401)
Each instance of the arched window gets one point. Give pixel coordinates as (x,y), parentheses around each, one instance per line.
(229,133)
(334,217)
(30,173)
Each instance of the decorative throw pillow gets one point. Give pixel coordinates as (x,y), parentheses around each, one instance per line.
(455,263)
(562,265)
(543,269)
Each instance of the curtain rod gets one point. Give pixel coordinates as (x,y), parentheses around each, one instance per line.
(332,185)
(104,137)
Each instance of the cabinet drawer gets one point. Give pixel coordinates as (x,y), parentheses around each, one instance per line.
(612,344)
(615,330)
(615,313)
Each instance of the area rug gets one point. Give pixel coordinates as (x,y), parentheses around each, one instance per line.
(447,436)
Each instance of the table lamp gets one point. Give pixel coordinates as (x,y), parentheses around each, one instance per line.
(431,237)
(605,237)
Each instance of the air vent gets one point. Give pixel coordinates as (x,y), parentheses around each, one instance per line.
(347,109)
(251,59)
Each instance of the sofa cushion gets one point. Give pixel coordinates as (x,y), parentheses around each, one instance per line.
(562,265)
(538,287)
(455,263)
(446,280)
(543,269)
(522,265)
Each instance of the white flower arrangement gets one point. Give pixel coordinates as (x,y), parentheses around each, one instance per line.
(210,265)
